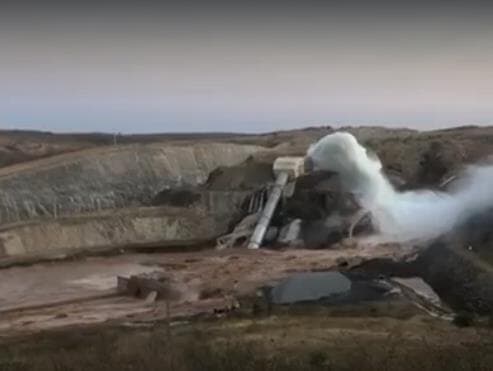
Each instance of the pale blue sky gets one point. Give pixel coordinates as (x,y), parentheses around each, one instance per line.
(202,71)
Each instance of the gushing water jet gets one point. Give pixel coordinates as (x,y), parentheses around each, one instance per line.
(401,216)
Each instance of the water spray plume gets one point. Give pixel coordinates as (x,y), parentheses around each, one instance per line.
(401,216)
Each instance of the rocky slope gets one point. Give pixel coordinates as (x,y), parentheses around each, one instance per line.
(110,177)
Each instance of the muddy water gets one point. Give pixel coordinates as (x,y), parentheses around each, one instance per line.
(52,283)
(327,287)
(340,290)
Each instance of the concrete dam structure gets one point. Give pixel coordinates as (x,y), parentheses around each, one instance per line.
(108,178)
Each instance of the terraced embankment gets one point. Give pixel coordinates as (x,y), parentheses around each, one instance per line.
(206,218)
(105,231)
(107,178)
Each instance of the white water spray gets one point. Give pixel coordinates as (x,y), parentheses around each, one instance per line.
(401,216)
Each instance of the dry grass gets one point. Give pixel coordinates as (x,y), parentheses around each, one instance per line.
(255,345)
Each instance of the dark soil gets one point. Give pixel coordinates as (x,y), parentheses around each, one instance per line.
(249,175)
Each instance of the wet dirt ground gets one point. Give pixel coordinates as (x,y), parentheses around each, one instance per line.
(52,295)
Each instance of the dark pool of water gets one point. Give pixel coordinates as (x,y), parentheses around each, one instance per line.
(328,288)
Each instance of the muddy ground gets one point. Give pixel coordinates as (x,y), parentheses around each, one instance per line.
(69,315)
(50,295)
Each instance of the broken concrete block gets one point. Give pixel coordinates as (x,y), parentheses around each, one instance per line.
(144,287)
(241,233)
(290,234)
(323,232)
(121,284)
(151,297)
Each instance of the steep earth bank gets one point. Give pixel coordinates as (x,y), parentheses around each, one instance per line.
(107,178)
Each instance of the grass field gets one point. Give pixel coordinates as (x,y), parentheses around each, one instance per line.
(285,342)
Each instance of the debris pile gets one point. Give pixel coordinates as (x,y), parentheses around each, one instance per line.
(150,287)
(241,233)
(313,212)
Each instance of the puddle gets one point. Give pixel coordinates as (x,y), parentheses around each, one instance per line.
(328,287)
(337,288)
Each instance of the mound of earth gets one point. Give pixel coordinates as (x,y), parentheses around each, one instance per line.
(181,197)
(248,175)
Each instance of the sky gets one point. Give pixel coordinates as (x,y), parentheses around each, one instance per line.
(257,66)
